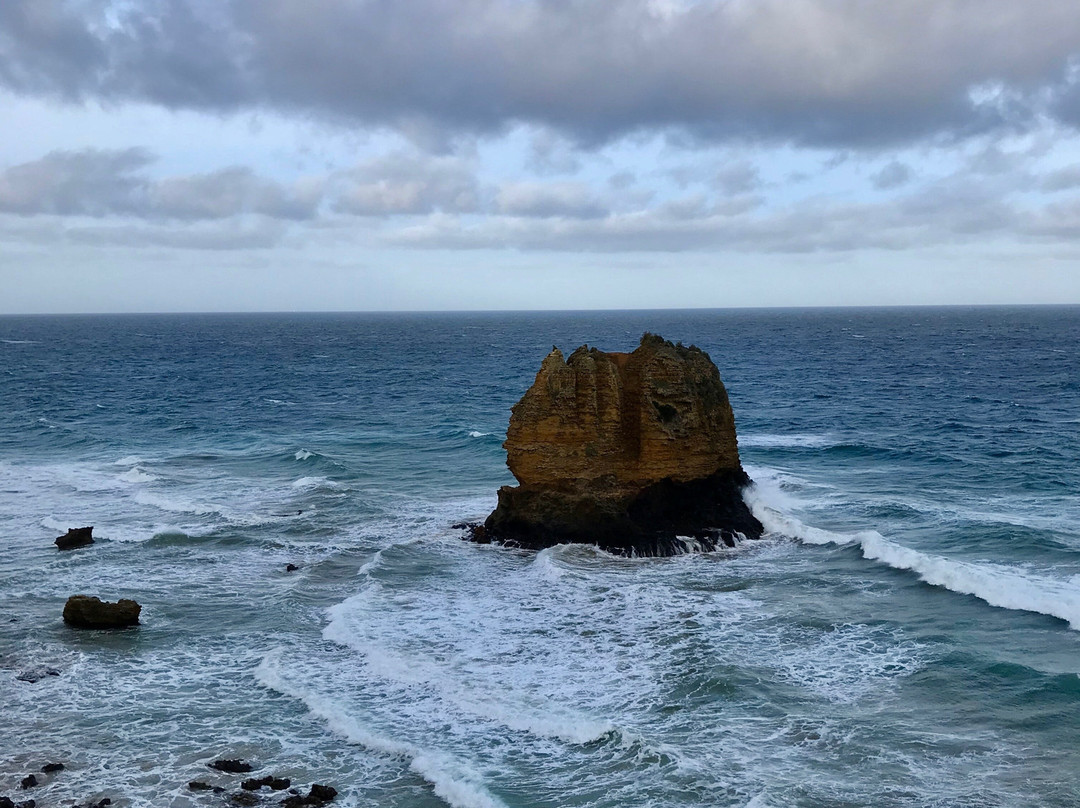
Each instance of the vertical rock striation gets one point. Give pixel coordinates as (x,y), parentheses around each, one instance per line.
(624,450)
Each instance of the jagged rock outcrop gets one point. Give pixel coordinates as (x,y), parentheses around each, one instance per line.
(75,537)
(624,450)
(82,611)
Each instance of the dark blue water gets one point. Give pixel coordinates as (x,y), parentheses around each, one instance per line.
(905,635)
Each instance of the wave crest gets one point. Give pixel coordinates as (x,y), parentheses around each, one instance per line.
(1006,587)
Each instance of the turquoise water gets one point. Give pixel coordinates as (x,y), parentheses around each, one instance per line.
(905,635)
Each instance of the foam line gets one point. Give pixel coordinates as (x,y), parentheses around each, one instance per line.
(451,780)
(997,585)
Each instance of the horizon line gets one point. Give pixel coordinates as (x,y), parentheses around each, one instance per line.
(830,307)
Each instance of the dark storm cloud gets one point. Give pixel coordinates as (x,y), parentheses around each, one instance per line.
(820,72)
(100,183)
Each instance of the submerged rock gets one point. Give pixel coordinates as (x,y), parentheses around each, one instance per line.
(317,795)
(232,766)
(75,537)
(82,611)
(624,450)
(37,673)
(7,802)
(275,783)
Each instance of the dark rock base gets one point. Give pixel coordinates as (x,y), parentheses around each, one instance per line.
(82,611)
(75,537)
(710,510)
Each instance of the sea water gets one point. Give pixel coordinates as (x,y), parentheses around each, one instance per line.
(906,634)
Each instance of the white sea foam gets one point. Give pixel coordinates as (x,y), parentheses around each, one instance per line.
(452,780)
(54,524)
(20,341)
(129,460)
(545,566)
(304,454)
(315,482)
(1008,587)
(786,441)
(846,663)
(476,434)
(176,505)
(136,475)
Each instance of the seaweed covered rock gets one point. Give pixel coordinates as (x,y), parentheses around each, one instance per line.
(625,450)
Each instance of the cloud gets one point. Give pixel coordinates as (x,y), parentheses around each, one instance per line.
(1064,179)
(891,176)
(960,209)
(99,183)
(545,200)
(836,73)
(230,235)
(403,183)
(85,183)
(737,177)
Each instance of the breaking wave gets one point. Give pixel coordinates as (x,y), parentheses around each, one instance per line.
(1007,587)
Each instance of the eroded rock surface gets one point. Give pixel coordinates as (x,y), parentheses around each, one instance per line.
(625,450)
(82,611)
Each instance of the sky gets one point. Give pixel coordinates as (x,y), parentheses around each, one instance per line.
(307,155)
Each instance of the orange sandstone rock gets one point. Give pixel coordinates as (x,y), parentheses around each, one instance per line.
(627,450)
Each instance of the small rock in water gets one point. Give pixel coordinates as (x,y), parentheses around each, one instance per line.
(291,568)
(199,785)
(244,798)
(318,795)
(37,673)
(276,783)
(5,802)
(28,782)
(233,766)
(49,768)
(99,804)
(82,611)
(322,793)
(75,537)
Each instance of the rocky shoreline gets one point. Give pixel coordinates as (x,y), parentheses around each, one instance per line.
(250,791)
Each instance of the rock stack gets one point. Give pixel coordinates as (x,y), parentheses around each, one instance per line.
(629,451)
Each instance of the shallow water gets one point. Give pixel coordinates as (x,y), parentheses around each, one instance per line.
(905,635)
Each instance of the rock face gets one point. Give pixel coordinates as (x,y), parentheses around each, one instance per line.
(81,611)
(624,450)
(75,537)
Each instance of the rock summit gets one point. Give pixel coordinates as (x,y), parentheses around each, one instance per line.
(634,452)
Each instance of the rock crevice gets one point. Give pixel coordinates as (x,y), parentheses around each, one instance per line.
(625,450)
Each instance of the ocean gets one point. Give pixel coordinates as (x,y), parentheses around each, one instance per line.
(907,633)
